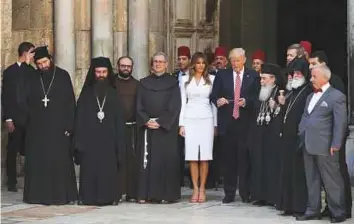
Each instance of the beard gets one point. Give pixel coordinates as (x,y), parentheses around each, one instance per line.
(48,70)
(101,85)
(288,85)
(297,82)
(265,92)
(124,73)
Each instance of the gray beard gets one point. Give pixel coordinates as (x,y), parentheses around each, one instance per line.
(288,85)
(296,83)
(265,93)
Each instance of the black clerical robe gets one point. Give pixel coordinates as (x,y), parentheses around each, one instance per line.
(129,167)
(292,182)
(99,146)
(49,168)
(159,97)
(263,144)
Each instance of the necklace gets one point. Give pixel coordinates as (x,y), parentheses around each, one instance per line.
(100,113)
(291,104)
(265,111)
(45,100)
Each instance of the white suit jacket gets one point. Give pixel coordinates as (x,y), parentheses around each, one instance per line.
(196,100)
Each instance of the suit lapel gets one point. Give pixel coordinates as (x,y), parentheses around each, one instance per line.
(230,82)
(246,80)
(323,97)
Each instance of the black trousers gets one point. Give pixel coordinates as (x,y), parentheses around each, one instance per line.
(180,142)
(15,145)
(236,160)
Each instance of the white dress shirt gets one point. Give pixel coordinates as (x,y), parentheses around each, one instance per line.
(316,97)
(180,76)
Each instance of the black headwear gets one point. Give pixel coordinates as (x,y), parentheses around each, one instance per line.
(41,52)
(99,62)
(301,65)
(274,69)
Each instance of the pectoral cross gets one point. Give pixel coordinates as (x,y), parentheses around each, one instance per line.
(45,101)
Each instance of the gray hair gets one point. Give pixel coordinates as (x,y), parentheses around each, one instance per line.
(237,52)
(324,70)
(160,53)
(300,51)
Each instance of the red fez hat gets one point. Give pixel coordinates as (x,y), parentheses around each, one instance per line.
(307,46)
(259,54)
(220,51)
(184,51)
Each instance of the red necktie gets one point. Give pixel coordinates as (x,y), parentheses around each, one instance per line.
(236,112)
(317,90)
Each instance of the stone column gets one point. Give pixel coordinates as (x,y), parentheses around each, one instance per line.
(120,28)
(157,39)
(83,42)
(102,28)
(138,37)
(64,35)
(350,45)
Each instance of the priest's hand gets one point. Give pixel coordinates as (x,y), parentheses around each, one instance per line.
(182,131)
(271,103)
(221,102)
(281,99)
(153,125)
(10,126)
(334,150)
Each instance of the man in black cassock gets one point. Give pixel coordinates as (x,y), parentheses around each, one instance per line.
(126,89)
(99,136)
(14,109)
(49,168)
(158,107)
(292,194)
(264,137)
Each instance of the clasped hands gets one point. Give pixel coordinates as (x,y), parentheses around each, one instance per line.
(152,124)
(222,101)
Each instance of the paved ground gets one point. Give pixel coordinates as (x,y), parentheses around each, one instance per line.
(14,211)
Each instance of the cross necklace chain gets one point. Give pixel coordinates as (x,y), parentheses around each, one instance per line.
(100,113)
(45,100)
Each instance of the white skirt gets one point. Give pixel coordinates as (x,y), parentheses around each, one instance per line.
(199,139)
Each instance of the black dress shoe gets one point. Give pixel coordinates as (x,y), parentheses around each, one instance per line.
(12,188)
(338,219)
(228,199)
(286,213)
(349,215)
(308,217)
(260,203)
(246,200)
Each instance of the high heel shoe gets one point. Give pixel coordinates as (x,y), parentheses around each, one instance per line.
(202,196)
(195,197)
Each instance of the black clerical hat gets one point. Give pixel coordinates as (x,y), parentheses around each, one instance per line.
(41,52)
(101,62)
(273,69)
(300,65)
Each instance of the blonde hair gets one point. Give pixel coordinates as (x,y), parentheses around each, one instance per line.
(237,52)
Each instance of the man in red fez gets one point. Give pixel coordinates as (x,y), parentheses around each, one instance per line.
(307,48)
(258,58)
(220,60)
(183,60)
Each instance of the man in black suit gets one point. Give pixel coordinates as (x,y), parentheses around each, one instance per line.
(183,60)
(13,102)
(320,58)
(234,91)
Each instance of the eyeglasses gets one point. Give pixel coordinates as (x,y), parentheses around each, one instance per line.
(125,66)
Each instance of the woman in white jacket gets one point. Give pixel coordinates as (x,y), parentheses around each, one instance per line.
(198,122)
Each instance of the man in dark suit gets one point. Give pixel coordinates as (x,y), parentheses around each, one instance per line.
(234,91)
(13,102)
(322,130)
(320,58)
(183,60)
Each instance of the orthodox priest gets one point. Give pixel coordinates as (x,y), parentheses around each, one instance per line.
(126,89)
(158,106)
(292,194)
(264,137)
(99,136)
(49,168)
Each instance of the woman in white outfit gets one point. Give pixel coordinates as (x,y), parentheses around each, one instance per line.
(198,122)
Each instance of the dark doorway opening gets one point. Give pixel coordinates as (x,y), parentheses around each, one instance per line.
(322,22)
